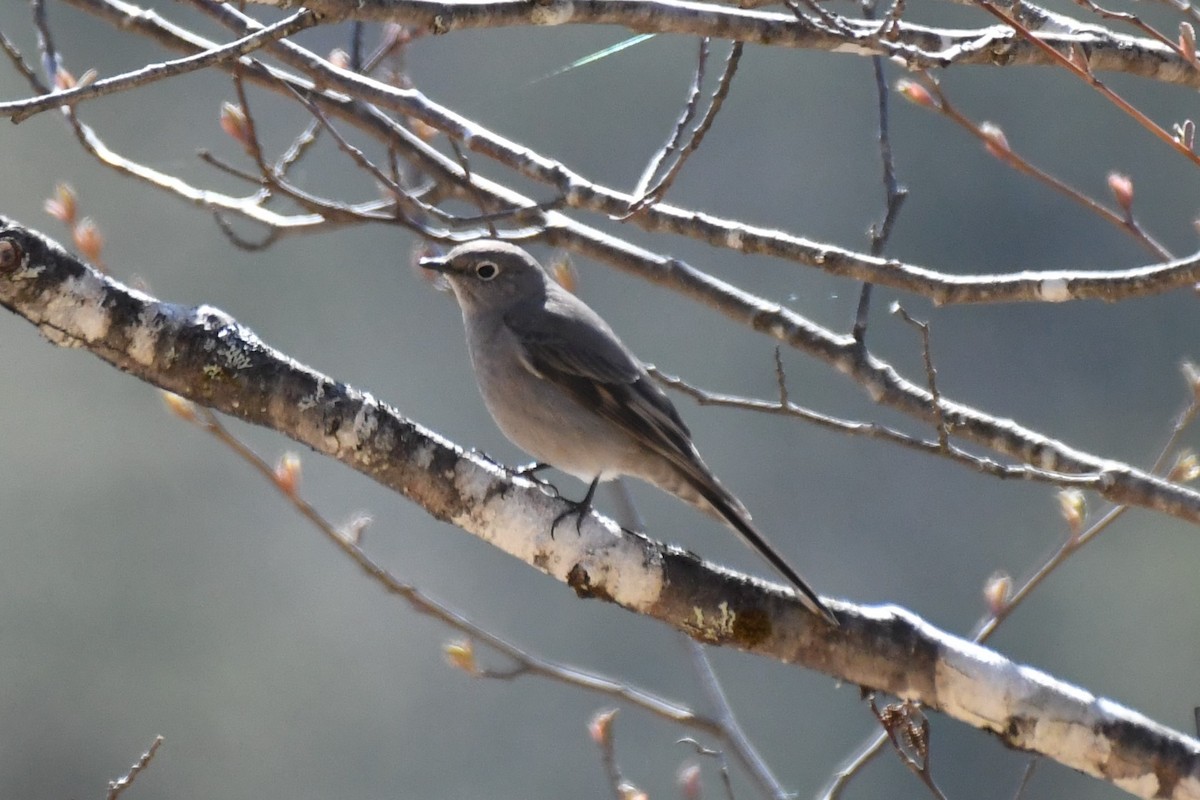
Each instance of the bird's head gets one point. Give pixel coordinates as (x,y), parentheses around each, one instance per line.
(488,274)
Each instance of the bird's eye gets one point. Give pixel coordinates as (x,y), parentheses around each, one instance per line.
(486,270)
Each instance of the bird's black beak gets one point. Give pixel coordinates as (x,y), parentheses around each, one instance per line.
(434,264)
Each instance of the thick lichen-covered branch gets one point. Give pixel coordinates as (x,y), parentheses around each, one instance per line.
(208,357)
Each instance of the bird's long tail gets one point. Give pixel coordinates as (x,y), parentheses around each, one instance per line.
(733,513)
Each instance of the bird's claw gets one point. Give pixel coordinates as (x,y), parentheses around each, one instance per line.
(530,471)
(580,510)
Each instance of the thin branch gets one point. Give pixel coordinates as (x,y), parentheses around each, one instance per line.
(1136,22)
(833,21)
(894,193)
(348,542)
(930,374)
(996,143)
(917,46)
(875,430)
(482,202)
(602,731)
(50,60)
(690,108)
(19,110)
(700,749)
(117,788)
(1079,65)
(757,767)
(728,730)
(402,197)
(304,141)
(1119,483)
(18,62)
(1002,611)
(648,196)
(986,627)
(942,288)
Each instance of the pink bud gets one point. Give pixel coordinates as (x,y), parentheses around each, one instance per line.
(287,474)
(994,140)
(600,727)
(1187,41)
(1191,374)
(997,591)
(462,655)
(689,779)
(914,92)
(1186,468)
(236,126)
(1121,187)
(563,271)
(1073,508)
(180,406)
(88,240)
(339,58)
(63,206)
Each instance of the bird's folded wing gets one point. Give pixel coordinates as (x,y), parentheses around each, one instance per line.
(586,360)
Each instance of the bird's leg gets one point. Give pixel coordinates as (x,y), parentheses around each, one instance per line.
(580,509)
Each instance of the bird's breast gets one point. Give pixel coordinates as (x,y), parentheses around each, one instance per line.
(542,418)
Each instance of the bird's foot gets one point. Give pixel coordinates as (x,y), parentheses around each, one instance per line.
(580,509)
(530,473)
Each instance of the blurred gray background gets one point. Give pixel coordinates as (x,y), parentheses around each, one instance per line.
(151,584)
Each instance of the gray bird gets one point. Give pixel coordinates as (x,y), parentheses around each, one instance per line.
(565,389)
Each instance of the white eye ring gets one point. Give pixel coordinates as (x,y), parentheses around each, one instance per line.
(486,270)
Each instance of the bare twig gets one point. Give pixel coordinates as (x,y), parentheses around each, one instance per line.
(874,430)
(304,141)
(654,193)
(757,767)
(1136,22)
(690,108)
(833,21)
(930,374)
(997,145)
(602,732)
(987,626)
(1051,285)
(1026,777)
(117,788)
(480,200)
(19,110)
(999,613)
(894,192)
(730,730)
(708,752)
(1080,67)
(525,663)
